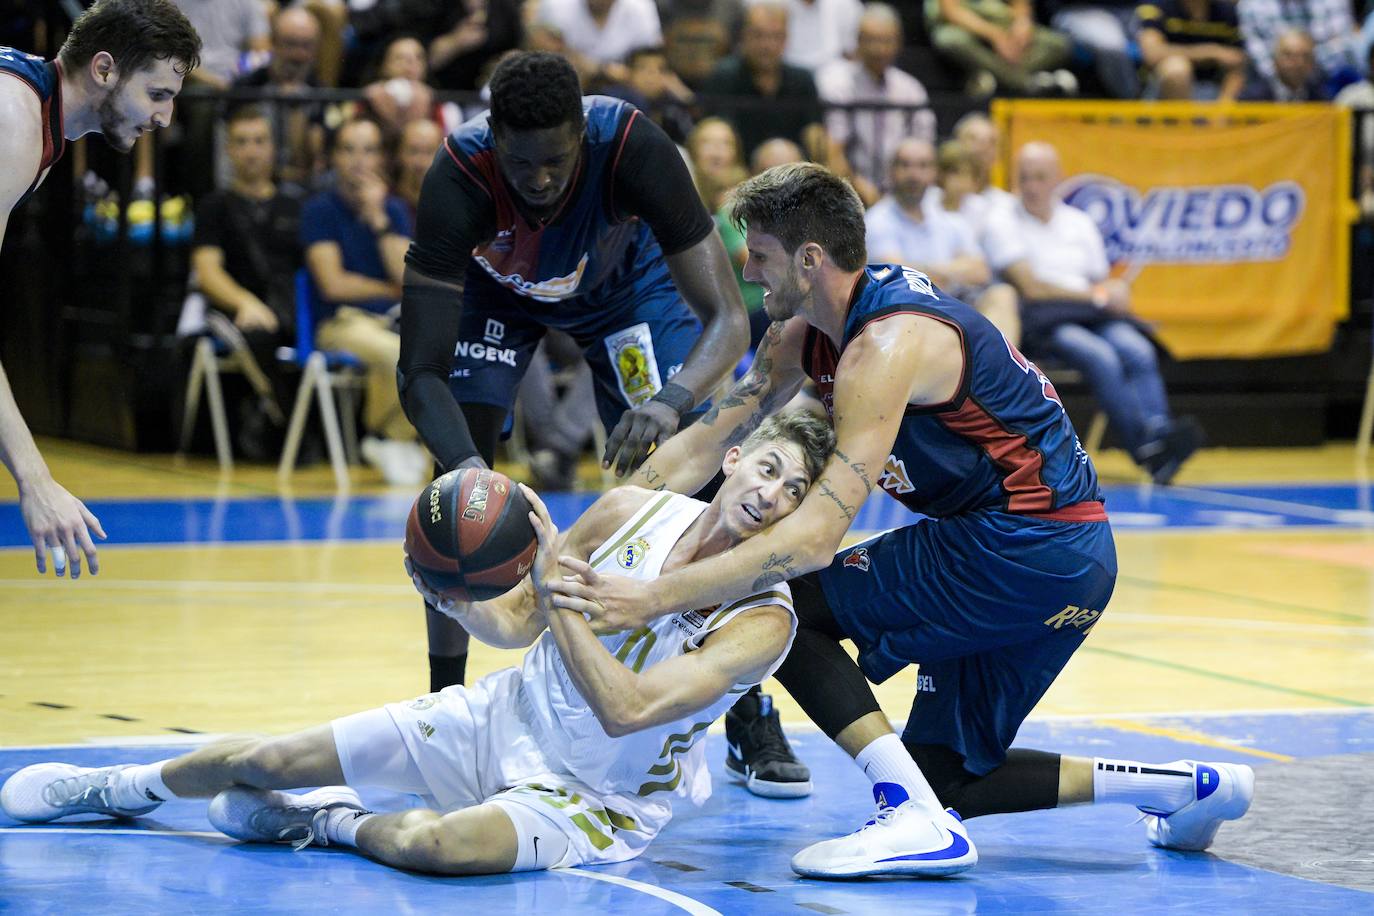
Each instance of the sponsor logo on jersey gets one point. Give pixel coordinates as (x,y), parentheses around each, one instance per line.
(925,683)
(481,351)
(631,352)
(632,554)
(424,702)
(494,332)
(857,559)
(917,282)
(895,477)
(552,290)
(1217,223)
(426,730)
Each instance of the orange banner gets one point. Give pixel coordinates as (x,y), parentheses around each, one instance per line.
(1231,221)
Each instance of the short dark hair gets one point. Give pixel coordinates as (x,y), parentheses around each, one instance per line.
(633,58)
(332,140)
(535,90)
(241,113)
(814,436)
(134,32)
(803,202)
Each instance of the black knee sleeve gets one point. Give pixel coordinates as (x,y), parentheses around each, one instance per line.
(818,673)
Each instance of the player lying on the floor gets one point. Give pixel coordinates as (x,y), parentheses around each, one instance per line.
(572,759)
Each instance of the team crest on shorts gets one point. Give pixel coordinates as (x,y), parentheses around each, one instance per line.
(424,702)
(857,559)
(632,554)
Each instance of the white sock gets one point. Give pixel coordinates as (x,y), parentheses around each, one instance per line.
(1162,788)
(888,765)
(142,783)
(341,825)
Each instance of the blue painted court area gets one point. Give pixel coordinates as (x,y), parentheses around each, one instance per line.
(730,857)
(367,518)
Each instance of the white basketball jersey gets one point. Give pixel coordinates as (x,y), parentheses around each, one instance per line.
(668,759)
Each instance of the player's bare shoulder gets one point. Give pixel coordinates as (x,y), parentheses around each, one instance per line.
(611,510)
(21,138)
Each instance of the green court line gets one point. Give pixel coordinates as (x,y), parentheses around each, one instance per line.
(1234,679)
(1242,599)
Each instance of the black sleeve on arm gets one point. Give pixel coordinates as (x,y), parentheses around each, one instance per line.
(450,220)
(652,182)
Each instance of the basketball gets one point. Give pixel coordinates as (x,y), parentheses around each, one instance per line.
(469,535)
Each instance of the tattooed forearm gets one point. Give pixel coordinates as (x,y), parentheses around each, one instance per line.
(652,479)
(848,510)
(858,467)
(754,383)
(767,580)
(775,569)
(776,562)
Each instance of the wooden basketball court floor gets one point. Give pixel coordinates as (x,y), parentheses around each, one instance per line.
(1240,630)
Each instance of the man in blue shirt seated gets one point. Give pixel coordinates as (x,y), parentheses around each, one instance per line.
(355,238)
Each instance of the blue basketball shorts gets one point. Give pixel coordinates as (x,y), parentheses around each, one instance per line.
(990,605)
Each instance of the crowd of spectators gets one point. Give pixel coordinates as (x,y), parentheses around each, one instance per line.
(302,180)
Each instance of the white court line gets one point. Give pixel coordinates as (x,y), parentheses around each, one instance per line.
(119,831)
(695,907)
(1264,503)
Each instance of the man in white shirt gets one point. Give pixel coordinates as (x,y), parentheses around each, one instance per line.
(869,138)
(1075,311)
(820,31)
(905,228)
(604,31)
(981,138)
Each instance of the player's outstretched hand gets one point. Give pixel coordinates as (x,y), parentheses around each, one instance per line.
(545,570)
(61,523)
(646,426)
(610,603)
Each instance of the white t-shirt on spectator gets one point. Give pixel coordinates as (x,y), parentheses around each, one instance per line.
(869,138)
(819,31)
(631,24)
(938,238)
(1067,251)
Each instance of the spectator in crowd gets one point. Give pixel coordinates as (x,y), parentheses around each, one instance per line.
(297,131)
(1296,75)
(820,31)
(779,100)
(468,37)
(600,34)
(906,227)
(999,44)
(1104,29)
(868,138)
(401,92)
(1193,49)
(1360,97)
(1072,309)
(980,139)
(695,45)
(228,28)
(1330,25)
(355,237)
(244,257)
(420,140)
(729,13)
(652,87)
(774,152)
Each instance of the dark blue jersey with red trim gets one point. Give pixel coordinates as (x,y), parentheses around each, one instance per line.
(45,79)
(1002,442)
(577,248)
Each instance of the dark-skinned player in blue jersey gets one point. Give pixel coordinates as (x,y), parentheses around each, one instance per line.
(117,74)
(555,210)
(990,594)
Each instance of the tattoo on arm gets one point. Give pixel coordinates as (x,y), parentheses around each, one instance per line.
(767,580)
(858,467)
(775,569)
(848,510)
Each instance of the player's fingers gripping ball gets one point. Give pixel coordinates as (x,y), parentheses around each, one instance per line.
(469,535)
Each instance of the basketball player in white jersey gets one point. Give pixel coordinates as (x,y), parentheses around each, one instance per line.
(574,758)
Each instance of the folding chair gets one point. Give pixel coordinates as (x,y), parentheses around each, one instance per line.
(323,372)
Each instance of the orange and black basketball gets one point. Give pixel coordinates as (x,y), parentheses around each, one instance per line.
(469,535)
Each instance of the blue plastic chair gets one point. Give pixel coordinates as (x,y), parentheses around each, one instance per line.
(323,373)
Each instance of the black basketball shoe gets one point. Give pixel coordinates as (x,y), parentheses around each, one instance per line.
(759,755)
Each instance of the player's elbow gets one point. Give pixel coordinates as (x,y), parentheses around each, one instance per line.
(623,716)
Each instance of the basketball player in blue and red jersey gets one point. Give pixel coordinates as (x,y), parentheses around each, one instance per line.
(555,210)
(991,593)
(116,74)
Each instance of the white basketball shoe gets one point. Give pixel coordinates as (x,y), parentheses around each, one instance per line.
(1222,792)
(898,840)
(46,791)
(269,816)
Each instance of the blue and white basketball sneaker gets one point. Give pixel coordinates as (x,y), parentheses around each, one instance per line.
(1222,792)
(901,839)
(269,816)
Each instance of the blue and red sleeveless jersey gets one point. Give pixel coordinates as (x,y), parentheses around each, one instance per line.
(1002,442)
(578,247)
(45,79)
